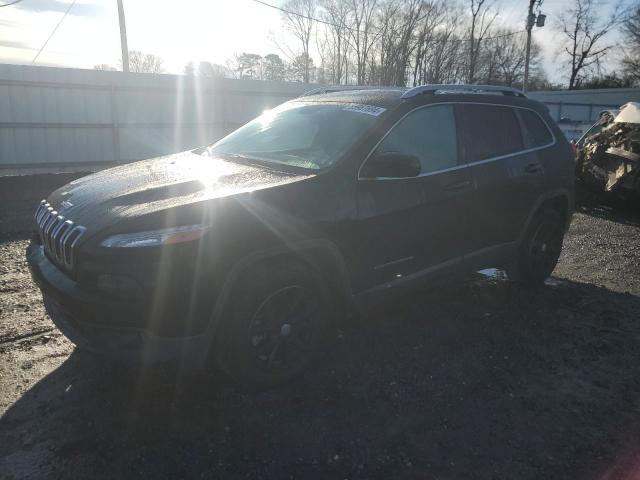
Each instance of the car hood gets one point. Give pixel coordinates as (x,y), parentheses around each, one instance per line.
(148,186)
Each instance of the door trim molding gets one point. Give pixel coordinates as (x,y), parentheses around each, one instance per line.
(409,279)
(393,262)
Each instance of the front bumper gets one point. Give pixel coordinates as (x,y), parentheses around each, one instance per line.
(81,315)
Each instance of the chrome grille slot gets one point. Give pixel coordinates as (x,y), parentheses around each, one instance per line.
(59,236)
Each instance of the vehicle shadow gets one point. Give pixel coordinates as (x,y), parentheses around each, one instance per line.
(19,197)
(15,224)
(7,238)
(479,380)
(626,216)
(607,208)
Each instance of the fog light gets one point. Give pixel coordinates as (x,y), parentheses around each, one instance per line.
(119,286)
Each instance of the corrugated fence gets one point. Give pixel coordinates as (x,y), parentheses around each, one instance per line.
(62,119)
(58,119)
(584,105)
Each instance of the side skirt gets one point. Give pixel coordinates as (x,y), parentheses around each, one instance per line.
(433,276)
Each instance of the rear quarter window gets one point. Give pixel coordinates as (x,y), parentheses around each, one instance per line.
(491,131)
(534,130)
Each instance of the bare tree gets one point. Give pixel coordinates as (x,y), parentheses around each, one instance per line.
(482,16)
(362,35)
(609,80)
(388,22)
(631,60)
(503,58)
(399,21)
(397,42)
(429,34)
(335,41)
(584,29)
(444,60)
(211,70)
(105,67)
(145,62)
(298,16)
(510,56)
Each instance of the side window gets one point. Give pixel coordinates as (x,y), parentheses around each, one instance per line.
(428,133)
(491,131)
(536,133)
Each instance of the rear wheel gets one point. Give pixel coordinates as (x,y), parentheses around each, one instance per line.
(540,249)
(278,322)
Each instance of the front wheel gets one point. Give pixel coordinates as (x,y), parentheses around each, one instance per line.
(540,249)
(278,322)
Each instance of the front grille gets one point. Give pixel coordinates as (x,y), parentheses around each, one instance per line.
(59,236)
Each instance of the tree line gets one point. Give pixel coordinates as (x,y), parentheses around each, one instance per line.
(400,43)
(412,42)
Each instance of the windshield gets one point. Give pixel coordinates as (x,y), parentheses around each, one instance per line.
(604,120)
(307,135)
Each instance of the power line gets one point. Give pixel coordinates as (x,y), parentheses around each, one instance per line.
(284,10)
(325,22)
(11,3)
(516,32)
(53,32)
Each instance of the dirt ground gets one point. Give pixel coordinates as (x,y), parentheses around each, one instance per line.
(478,380)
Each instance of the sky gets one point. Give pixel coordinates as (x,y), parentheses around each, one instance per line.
(191,30)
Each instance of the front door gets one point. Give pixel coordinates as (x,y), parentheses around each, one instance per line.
(415,225)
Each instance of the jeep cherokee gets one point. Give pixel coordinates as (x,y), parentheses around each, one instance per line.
(244,253)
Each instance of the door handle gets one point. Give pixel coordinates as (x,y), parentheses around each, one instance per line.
(533,168)
(458,186)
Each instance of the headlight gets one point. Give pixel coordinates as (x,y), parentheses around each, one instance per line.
(164,236)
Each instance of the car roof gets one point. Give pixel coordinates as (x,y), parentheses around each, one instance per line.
(382,97)
(391,97)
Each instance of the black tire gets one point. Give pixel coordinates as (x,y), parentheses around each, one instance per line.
(540,249)
(278,321)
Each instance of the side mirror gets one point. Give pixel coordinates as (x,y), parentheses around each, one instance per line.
(392,165)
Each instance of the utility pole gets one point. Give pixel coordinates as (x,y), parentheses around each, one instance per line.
(123,38)
(532,20)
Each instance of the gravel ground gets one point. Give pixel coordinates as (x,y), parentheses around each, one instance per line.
(479,380)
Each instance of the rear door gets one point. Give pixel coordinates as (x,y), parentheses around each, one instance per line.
(508,173)
(409,225)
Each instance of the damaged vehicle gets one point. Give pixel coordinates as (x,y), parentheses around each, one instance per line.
(608,155)
(243,255)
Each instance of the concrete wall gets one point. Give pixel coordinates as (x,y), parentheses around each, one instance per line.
(59,119)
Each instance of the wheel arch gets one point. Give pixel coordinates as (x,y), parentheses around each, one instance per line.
(320,255)
(560,200)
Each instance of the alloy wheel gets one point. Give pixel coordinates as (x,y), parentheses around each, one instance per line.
(283,331)
(545,247)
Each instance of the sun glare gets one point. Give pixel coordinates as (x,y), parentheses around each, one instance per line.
(267,117)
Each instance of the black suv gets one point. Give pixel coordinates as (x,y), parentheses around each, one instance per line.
(246,252)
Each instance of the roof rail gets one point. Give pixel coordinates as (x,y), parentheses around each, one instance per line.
(433,88)
(339,88)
